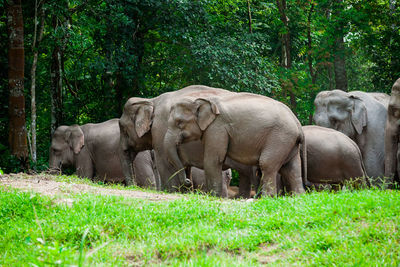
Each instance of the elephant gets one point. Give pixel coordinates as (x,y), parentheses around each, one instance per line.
(332,157)
(249,129)
(143,125)
(199,179)
(93,150)
(361,116)
(392,131)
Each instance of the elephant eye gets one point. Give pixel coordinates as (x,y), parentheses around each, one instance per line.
(179,123)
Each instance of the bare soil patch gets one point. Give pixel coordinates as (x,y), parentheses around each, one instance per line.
(46,185)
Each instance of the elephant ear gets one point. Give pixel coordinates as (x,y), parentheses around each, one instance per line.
(207,111)
(75,138)
(143,118)
(359,114)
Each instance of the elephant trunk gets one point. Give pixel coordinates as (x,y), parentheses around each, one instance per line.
(54,164)
(171,143)
(391,147)
(127,156)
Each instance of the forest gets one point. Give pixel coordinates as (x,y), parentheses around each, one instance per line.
(69,62)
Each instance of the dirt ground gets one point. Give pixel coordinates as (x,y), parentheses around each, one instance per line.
(46,185)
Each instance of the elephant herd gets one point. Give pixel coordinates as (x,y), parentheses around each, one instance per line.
(192,137)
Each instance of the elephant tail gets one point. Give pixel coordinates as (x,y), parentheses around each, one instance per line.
(365,176)
(303,155)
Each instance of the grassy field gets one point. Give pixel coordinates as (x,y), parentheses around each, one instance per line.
(348,228)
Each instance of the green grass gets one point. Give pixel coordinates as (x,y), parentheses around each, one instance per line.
(349,228)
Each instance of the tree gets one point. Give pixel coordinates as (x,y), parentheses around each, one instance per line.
(286,60)
(17,131)
(37,38)
(339,49)
(56,79)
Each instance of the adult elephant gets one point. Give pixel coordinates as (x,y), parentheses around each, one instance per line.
(392,132)
(362,117)
(249,129)
(93,150)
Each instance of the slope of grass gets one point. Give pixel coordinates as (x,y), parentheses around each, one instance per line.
(359,228)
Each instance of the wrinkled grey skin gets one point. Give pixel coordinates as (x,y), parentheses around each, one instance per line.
(249,129)
(392,133)
(362,117)
(93,150)
(143,125)
(199,179)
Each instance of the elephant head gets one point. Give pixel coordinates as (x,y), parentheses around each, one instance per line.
(135,135)
(341,111)
(187,121)
(392,133)
(66,142)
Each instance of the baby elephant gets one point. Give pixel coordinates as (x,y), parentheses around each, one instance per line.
(332,157)
(199,179)
(93,149)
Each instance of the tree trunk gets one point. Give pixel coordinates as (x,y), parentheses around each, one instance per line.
(249,14)
(16,61)
(35,45)
(309,44)
(340,65)
(392,43)
(137,87)
(286,49)
(57,64)
(339,62)
(56,84)
(313,74)
(120,84)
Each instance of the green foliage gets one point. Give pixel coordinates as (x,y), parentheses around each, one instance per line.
(345,228)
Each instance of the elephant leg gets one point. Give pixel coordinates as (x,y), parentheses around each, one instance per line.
(84,167)
(167,179)
(155,170)
(397,172)
(214,181)
(244,183)
(268,180)
(391,147)
(215,149)
(375,170)
(271,160)
(280,185)
(291,172)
